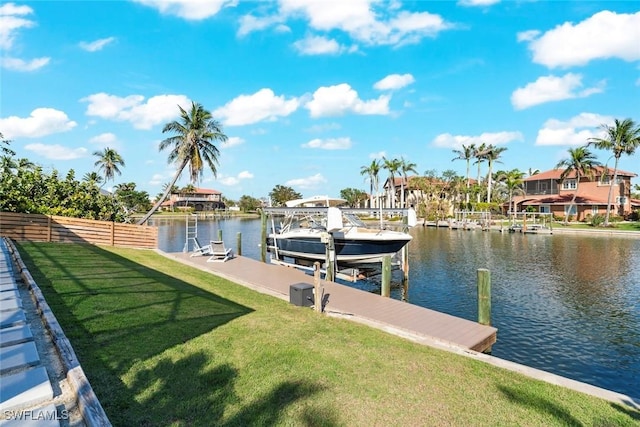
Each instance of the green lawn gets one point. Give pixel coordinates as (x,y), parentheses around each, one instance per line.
(166,344)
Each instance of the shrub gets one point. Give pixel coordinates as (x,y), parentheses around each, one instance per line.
(597,220)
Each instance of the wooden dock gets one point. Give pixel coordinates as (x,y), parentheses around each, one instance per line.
(398,317)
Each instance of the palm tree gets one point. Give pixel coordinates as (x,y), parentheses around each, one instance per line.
(622,138)
(581,163)
(373,171)
(108,162)
(492,154)
(92,178)
(466,154)
(191,144)
(533,171)
(393,166)
(513,180)
(405,167)
(479,153)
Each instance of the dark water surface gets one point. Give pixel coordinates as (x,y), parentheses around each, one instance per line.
(564,304)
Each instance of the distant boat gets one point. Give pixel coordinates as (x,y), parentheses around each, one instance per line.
(307,223)
(537,229)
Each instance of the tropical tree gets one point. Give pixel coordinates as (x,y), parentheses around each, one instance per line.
(192,144)
(5,151)
(491,155)
(532,171)
(92,178)
(373,172)
(479,153)
(621,138)
(513,180)
(353,196)
(405,166)
(109,163)
(393,166)
(466,154)
(580,163)
(282,194)
(248,203)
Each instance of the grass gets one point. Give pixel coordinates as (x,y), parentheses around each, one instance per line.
(165,344)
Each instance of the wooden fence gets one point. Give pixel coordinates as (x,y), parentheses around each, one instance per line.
(50,228)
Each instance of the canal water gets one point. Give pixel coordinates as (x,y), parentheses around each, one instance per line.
(565,304)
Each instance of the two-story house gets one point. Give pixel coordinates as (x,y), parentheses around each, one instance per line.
(547,193)
(198,199)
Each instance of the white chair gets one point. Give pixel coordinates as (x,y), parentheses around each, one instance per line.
(200,250)
(218,252)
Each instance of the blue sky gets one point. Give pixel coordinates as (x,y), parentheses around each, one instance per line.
(309,91)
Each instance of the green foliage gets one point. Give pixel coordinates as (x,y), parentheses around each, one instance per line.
(282,194)
(635,215)
(353,196)
(249,204)
(596,220)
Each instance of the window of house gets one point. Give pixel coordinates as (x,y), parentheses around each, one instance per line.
(543,188)
(545,209)
(569,184)
(606,180)
(594,210)
(570,209)
(621,200)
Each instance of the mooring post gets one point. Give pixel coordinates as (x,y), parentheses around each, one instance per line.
(386,276)
(330,258)
(317,292)
(484,296)
(263,236)
(239,243)
(219,234)
(405,262)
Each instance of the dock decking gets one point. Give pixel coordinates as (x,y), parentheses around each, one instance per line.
(401,318)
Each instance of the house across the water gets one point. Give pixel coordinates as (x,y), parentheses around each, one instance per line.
(547,193)
(197,199)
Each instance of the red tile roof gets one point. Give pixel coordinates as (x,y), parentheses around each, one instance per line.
(555,174)
(564,199)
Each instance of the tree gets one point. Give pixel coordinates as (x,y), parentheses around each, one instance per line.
(405,166)
(373,171)
(479,153)
(249,204)
(108,162)
(92,178)
(5,151)
(282,194)
(581,163)
(131,200)
(622,138)
(491,155)
(393,166)
(466,154)
(513,181)
(192,144)
(353,196)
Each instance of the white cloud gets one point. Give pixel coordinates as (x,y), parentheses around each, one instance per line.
(235,180)
(329,144)
(318,45)
(245,175)
(57,152)
(394,81)
(368,21)
(340,99)
(189,9)
(378,155)
(41,122)
(142,115)
(477,2)
(97,44)
(552,88)
(307,183)
(11,21)
(232,141)
(527,36)
(157,179)
(107,139)
(250,23)
(604,35)
(575,131)
(17,64)
(262,105)
(446,140)
(324,127)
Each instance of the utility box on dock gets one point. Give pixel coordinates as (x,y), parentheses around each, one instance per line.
(301,294)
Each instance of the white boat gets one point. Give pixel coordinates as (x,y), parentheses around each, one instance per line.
(307,224)
(536,229)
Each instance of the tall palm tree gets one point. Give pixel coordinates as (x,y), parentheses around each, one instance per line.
(405,166)
(581,163)
(373,172)
(622,138)
(513,180)
(109,162)
(192,144)
(492,154)
(393,166)
(479,154)
(92,178)
(466,154)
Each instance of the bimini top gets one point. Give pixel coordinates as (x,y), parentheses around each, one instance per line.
(316,202)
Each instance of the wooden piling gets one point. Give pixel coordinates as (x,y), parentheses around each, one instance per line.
(330,259)
(405,262)
(484,296)
(263,236)
(386,276)
(220,234)
(317,291)
(239,243)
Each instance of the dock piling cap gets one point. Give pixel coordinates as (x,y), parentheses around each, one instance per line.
(334,219)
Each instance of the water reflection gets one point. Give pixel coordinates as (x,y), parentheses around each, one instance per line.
(562,303)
